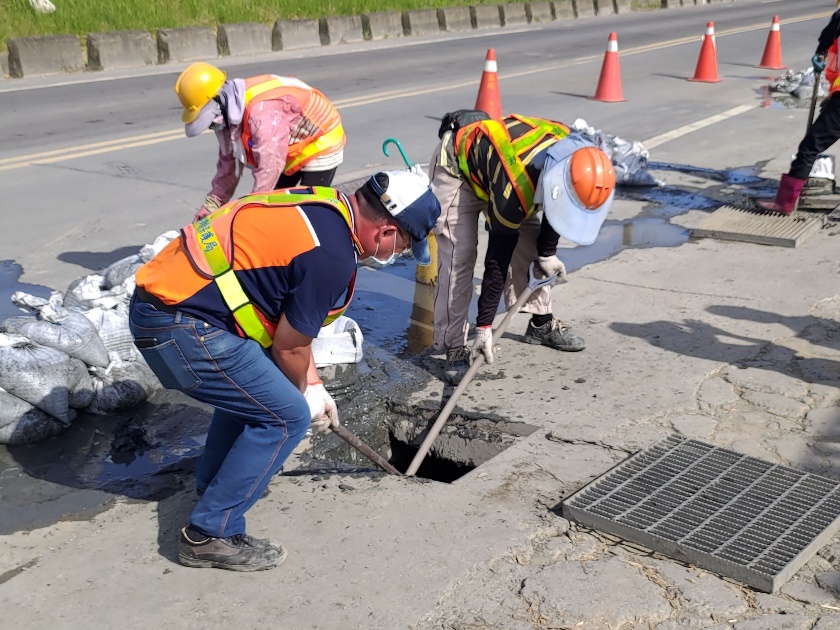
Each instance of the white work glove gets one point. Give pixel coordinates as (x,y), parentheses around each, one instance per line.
(552,266)
(483,343)
(211,204)
(322,408)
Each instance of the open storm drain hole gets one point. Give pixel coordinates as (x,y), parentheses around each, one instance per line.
(465,443)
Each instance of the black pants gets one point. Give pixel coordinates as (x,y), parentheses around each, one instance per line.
(824,132)
(306,178)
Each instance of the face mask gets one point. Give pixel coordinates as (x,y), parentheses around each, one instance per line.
(218,124)
(374,262)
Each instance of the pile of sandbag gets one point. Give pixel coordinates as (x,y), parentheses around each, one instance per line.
(73,352)
(799,84)
(629,159)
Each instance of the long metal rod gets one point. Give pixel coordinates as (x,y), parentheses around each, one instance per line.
(353,440)
(476,364)
(814,95)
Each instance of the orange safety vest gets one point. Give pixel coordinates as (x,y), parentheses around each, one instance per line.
(832,68)
(209,246)
(325,133)
(512,152)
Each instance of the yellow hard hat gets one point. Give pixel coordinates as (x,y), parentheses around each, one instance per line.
(196,87)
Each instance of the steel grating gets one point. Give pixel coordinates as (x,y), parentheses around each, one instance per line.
(751,226)
(734,515)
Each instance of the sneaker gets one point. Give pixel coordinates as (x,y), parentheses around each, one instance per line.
(457,364)
(235,553)
(554,334)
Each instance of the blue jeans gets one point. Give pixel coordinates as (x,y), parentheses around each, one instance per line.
(259,415)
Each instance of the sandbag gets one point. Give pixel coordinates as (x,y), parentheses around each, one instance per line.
(36,374)
(122,385)
(21,423)
(147,252)
(67,331)
(112,326)
(629,160)
(116,273)
(87,292)
(338,343)
(79,385)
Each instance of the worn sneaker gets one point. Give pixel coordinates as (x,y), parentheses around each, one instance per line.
(235,553)
(554,334)
(457,364)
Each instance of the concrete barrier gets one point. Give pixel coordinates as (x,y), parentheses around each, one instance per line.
(604,7)
(454,19)
(341,29)
(47,54)
(624,6)
(4,65)
(513,14)
(486,16)
(563,9)
(294,34)
(540,11)
(120,49)
(245,38)
(584,8)
(382,25)
(420,22)
(186,44)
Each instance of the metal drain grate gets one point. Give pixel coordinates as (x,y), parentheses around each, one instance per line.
(750,226)
(738,516)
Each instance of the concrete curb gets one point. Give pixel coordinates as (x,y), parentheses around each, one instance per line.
(120,49)
(342,29)
(455,19)
(486,16)
(294,34)
(51,54)
(382,25)
(420,22)
(246,38)
(540,11)
(186,44)
(55,54)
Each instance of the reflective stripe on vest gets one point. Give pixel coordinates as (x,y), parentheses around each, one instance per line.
(204,246)
(327,133)
(510,152)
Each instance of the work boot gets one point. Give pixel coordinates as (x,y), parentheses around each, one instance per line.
(457,364)
(786,197)
(554,334)
(235,553)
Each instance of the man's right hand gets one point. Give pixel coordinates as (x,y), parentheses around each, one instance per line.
(818,62)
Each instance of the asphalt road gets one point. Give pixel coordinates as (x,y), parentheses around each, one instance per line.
(93,166)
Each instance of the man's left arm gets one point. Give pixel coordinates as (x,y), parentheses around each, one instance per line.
(829,34)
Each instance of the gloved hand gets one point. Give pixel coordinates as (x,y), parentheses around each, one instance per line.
(552,266)
(483,343)
(211,204)
(818,62)
(324,413)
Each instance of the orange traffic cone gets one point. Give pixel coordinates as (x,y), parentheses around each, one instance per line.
(489,100)
(706,70)
(609,84)
(772,57)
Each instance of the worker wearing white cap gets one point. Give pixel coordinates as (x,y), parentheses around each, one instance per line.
(535,180)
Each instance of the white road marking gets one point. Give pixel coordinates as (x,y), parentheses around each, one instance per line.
(679,132)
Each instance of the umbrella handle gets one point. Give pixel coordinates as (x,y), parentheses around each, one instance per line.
(399,147)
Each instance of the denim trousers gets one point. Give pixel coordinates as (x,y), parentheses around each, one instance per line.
(259,417)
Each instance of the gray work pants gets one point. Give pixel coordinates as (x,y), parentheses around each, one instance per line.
(456,232)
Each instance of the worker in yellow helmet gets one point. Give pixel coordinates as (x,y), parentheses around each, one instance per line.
(285,131)
(534,180)
(826,128)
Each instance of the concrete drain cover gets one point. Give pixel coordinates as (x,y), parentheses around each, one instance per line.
(734,224)
(734,515)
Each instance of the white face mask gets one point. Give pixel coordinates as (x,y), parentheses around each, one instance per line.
(374,262)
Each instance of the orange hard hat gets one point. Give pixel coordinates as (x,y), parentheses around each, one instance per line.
(592,177)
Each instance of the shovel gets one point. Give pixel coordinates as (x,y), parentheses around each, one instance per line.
(533,285)
(814,95)
(353,440)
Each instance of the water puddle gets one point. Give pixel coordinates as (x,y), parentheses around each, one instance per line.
(10,273)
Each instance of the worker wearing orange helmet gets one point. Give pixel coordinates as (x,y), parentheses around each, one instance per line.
(285,131)
(535,180)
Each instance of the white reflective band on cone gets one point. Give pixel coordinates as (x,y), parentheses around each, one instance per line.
(612,46)
(490,66)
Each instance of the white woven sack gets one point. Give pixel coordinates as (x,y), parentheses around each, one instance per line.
(340,342)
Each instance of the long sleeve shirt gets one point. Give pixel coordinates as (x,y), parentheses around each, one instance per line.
(271,123)
(829,34)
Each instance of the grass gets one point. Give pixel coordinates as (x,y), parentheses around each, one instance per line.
(79,17)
